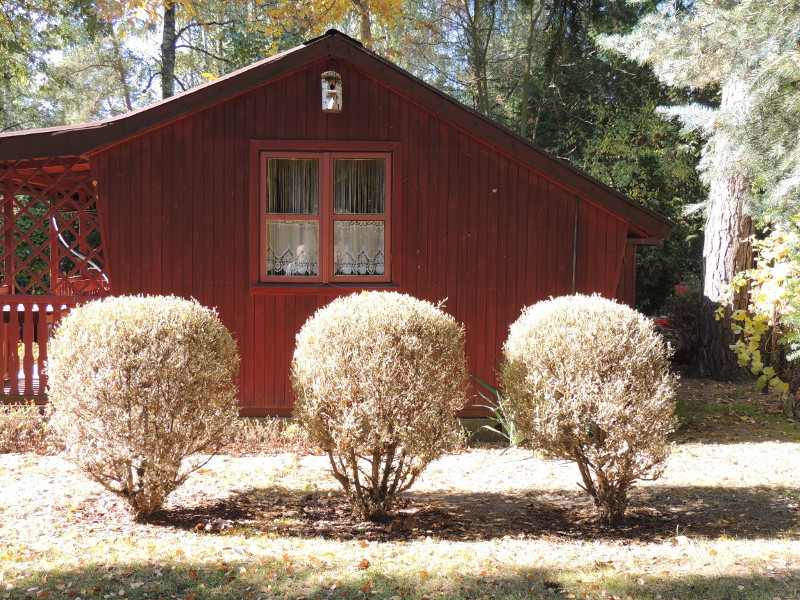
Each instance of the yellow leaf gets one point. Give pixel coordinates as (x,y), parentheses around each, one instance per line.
(779,385)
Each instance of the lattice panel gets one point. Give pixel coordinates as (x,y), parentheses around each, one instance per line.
(50,235)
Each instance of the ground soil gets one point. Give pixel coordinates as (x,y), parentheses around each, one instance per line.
(737,482)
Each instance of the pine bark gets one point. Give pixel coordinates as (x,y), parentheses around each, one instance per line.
(726,252)
(168,40)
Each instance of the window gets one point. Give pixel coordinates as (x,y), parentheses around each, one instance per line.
(325,216)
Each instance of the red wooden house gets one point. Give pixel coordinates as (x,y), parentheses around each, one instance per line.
(270,191)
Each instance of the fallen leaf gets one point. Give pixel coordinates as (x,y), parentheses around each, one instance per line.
(363,543)
(363,564)
(192,574)
(552,585)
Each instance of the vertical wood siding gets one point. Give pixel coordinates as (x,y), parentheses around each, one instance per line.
(626,287)
(470,225)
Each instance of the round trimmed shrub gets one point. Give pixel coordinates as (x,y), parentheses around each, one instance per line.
(588,381)
(140,386)
(378,377)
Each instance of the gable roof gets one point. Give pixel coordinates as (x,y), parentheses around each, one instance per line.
(80,139)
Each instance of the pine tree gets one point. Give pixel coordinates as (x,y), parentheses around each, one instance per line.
(746,50)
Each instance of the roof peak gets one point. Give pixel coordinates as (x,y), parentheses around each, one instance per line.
(333,33)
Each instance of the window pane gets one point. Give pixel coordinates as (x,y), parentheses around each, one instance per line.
(292,248)
(358,248)
(359,186)
(292,186)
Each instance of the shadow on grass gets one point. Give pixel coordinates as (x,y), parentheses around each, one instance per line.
(312,579)
(655,513)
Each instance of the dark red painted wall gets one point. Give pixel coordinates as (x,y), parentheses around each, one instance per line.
(469,223)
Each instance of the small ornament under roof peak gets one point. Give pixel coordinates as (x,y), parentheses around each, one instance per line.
(331,92)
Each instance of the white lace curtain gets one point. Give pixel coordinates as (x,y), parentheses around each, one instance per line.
(292,248)
(358,248)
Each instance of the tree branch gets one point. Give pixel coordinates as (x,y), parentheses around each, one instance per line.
(204,51)
(185,28)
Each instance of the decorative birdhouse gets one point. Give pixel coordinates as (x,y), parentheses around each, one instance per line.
(331,92)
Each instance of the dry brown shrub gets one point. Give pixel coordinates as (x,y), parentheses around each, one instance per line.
(25,427)
(269,435)
(588,380)
(378,377)
(141,386)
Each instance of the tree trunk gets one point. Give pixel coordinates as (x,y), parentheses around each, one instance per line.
(726,252)
(122,72)
(479,23)
(364,21)
(168,40)
(5,102)
(527,74)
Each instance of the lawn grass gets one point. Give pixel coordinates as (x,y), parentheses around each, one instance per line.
(718,412)
(722,523)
